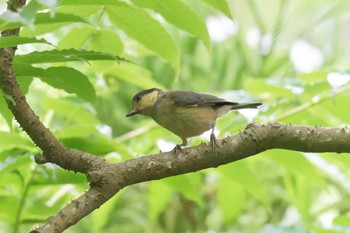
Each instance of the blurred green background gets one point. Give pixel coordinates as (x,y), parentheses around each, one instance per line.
(291,55)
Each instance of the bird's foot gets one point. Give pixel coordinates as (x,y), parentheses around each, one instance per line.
(177,150)
(213,141)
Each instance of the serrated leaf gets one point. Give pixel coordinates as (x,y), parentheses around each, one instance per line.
(314,77)
(46,18)
(180,15)
(41,18)
(5,111)
(14,140)
(325,230)
(101,216)
(90,2)
(12,163)
(63,56)
(297,164)
(342,220)
(49,176)
(220,5)
(15,40)
(76,38)
(249,181)
(9,98)
(130,73)
(29,11)
(23,69)
(106,41)
(188,185)
(266,90)
(24,83)
(94,144)
(299,192)
(65,78)
(159,195)
(140,26)
(76,131)
(70,80)
(231,198)
(71,110)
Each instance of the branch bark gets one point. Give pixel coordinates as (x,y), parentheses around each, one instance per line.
(107,179)
(254,139)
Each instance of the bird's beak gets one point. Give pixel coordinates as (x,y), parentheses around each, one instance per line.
(133,111)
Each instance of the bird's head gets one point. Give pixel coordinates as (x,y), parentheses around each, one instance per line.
(144,101)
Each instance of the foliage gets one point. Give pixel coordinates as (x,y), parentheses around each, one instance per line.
(81,61)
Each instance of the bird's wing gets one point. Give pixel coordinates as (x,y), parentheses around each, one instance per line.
(192,99)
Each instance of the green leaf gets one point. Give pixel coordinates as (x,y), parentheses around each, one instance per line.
(29,11)
(220,5)
(24,83)
(159,195)
(90,2)
(188,185)
(130,73)
(231,199)
(72,81)
(102,215)
(259,87)
(322,230)
(25,70)
(14,140)
(65,78)
(77,131)
(106,41)
(43,29)
(51,176)
(63,56)
(140,26)
(8,98)
(5,111)
(316,76)
(248,181)
(297,164)
(96,40)
(299,192)
(41,18)
(75,38)
(47,18)
(13,163)
(71,110)
(8,208)
(180,15)
(15,40)
(94,144)
(343,221)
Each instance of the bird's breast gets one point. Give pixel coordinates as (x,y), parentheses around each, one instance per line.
(185,121)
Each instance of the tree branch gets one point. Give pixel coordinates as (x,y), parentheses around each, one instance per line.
(254,139)
(107,179)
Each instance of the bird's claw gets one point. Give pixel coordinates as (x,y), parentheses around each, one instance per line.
(177,149)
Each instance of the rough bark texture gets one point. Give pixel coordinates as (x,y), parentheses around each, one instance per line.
(107,179)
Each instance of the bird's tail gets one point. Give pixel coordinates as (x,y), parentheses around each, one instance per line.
(245,105)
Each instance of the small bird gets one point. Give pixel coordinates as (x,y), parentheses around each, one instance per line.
(184,113)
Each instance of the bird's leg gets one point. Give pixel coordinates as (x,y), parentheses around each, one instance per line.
(177,149)
(213,141)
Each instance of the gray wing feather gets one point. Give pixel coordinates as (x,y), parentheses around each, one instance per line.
(190,99)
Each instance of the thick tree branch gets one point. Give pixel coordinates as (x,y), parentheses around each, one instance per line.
(254,139)
(107,179)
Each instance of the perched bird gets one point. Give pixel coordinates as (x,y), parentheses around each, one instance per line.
(185,113)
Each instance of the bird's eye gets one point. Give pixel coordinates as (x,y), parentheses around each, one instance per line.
(137,98)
